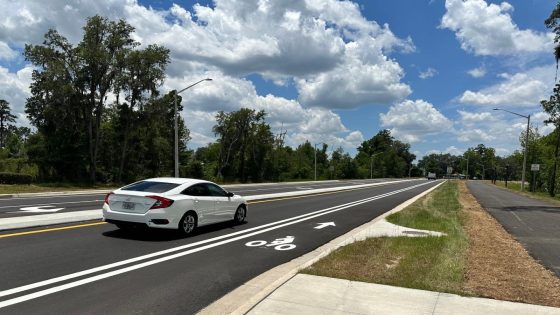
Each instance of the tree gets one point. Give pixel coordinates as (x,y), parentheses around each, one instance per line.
(6,117)
(552,23)
(246,144)
(392,157)
(552,108)
(71,84)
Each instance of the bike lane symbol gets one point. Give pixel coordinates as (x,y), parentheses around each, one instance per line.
(284,243)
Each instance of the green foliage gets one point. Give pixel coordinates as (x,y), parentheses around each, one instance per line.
(79,135)
(6,121)
(15,178)
(384,156)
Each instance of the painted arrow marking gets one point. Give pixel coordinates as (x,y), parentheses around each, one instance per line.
(40,209)
(322,225)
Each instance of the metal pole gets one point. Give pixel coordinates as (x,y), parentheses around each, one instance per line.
(525,153)
(467,168)
(371,167)
(176,154)
(176,128)
(315,145)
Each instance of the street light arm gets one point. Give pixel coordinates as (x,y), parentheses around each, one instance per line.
(505,110)
(190,86)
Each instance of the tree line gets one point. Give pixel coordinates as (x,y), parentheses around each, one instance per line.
(99,116)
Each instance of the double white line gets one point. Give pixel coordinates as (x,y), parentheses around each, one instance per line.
(188,249)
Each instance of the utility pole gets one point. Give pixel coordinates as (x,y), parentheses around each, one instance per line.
(526,144)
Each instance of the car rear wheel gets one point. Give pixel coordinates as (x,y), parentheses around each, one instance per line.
(240,215)
(188,223)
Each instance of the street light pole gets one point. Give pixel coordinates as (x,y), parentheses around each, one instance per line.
(315,151)
(176,128)
(483,170)
(371,164)
(467,165)
(526,145)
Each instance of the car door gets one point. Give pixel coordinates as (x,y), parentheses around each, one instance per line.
(225,209)
(203,203)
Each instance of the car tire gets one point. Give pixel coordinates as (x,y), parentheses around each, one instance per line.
(188,223)
(240,215)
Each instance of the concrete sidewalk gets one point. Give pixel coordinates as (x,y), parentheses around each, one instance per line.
(306,294)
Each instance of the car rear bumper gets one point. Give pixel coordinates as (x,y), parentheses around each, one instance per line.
(157,218)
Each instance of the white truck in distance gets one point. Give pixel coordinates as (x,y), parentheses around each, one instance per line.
(432,176)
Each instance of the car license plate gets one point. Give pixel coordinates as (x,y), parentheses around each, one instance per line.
(128,205)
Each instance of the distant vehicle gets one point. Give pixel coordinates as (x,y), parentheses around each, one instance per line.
(431,175)
(172,203)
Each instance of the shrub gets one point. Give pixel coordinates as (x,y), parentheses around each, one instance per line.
(15,178)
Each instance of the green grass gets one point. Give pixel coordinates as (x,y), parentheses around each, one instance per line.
(516,187)
(428,263)
(17,189)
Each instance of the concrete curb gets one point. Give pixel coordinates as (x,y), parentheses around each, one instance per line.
(244,298)
(55,193)
(76,216)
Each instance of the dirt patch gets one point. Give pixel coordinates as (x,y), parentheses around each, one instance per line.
(498,266)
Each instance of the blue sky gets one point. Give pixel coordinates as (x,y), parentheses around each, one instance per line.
(330,71)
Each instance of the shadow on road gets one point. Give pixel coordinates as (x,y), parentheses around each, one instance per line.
(146,234)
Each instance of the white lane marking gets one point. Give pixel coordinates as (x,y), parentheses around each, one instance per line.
(284,243)
(323,225)
(288,221)
(48,204)
(278,188)
(40,209)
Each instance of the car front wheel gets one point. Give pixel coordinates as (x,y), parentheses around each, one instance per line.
(188,223)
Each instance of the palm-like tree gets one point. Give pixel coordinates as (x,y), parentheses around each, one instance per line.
(6,117)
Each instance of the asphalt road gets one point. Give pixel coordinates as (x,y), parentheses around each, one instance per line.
(13,207)
(535,224)
(101,270)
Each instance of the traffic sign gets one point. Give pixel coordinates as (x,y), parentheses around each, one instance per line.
(535,167)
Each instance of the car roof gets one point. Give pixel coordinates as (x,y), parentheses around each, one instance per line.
(176,180)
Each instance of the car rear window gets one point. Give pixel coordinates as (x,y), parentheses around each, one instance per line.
(147,186)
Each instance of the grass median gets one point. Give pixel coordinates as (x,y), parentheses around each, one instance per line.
(18,189)
(429,263)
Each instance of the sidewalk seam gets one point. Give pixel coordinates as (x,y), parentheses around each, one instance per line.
(436,303)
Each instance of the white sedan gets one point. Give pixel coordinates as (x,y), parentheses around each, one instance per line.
(173,203)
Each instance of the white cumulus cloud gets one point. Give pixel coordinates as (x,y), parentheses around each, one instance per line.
(519,89)
(488,29)
(477,72)
(412,121)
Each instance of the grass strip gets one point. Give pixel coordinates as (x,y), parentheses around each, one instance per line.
(18,189)
(540,195)
(428,263)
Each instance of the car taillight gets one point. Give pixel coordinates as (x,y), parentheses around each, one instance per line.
(160,202)
(107,197)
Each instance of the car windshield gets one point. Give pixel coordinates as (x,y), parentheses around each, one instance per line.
(147,186)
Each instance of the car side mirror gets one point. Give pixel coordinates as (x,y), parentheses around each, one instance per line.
(230,194)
